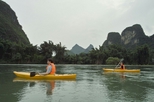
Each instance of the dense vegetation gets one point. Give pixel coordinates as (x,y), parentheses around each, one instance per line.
(20,53)
(110,55)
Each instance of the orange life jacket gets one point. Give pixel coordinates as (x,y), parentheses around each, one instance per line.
(122,66)
(53,71)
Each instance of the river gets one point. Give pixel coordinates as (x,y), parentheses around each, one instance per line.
(91,85)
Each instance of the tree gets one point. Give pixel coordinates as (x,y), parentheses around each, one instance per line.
(29,53)
(46,50)
(60,51)
(112,60)
(98,55)
(1,50)
(143,55)
(17,57)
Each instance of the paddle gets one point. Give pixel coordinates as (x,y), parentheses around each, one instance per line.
(32,74)
(119,62)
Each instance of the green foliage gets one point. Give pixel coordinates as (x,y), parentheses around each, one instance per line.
(17,57)
(10,29)
(46,50)
(20,53)
(111,55)
(142,54)
(1,50)
(112,60)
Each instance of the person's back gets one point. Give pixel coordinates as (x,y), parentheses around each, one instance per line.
(122,66)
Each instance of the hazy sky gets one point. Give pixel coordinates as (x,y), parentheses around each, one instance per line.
(81,21)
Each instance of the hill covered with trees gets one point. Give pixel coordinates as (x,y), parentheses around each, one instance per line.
(10,29)
(130,37)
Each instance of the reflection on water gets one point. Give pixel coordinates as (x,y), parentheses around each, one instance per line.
(39,90)
(50,84)
(50,87)
(127,87)
(91,85)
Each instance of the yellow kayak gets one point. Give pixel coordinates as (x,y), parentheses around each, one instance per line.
(56,76)
(18,79)
(120,70)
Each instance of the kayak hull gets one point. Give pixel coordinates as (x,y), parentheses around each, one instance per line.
(19,79)
(120,70)
(26,75)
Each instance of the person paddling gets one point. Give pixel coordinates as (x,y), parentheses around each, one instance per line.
(122,66)
(50,69)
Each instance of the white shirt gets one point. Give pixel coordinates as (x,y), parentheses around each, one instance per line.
(49,69)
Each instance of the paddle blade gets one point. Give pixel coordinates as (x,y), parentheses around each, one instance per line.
(120,62)
(32,74)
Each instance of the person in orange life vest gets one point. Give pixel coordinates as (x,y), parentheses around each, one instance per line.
(122,66)
(50,69)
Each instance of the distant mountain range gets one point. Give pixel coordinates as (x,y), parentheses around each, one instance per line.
(76,49)
(130,37)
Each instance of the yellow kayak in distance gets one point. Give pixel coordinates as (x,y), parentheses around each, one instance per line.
(120,70)
(26,75)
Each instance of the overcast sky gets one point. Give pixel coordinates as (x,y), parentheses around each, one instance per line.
(81,21)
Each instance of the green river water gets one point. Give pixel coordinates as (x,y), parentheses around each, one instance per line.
(91,85)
